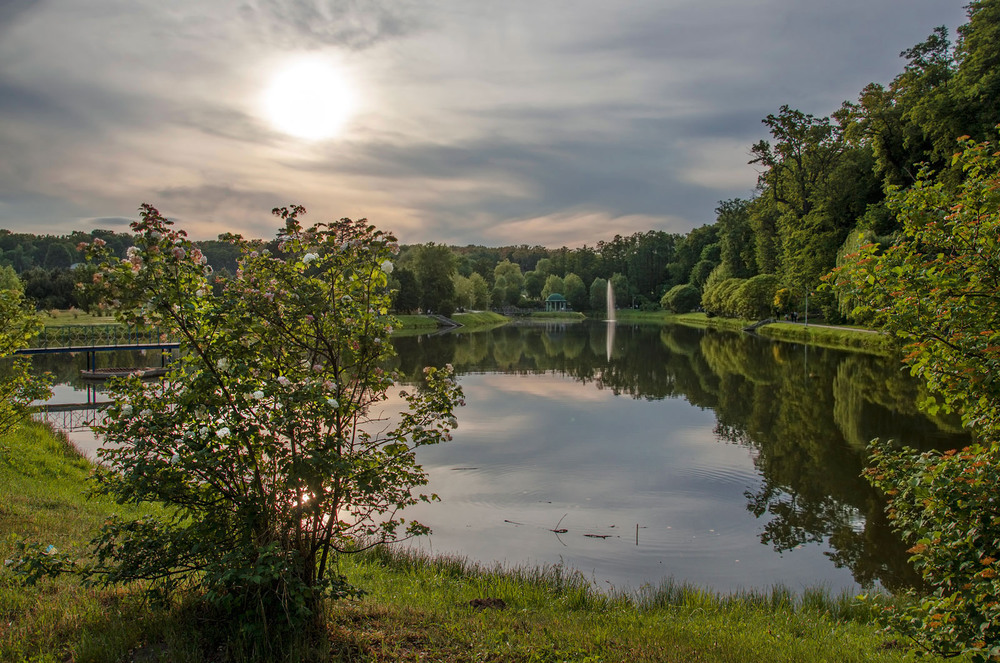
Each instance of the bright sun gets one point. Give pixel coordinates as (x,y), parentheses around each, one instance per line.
(309,99)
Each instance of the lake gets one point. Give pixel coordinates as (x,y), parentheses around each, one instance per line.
(717,458)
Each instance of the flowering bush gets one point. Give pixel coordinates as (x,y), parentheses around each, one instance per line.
(938,288)
(261,440)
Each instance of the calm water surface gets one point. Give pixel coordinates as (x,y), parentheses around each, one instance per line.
(716,458)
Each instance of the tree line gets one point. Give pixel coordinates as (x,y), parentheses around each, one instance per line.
(822,192)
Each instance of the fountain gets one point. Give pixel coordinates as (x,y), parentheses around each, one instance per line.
(611,303)
(610,344)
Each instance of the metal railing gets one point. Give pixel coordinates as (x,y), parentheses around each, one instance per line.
(69,336)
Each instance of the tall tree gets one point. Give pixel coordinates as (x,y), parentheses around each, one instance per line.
(575,292)
(435,265)
(736,237)
(507,283)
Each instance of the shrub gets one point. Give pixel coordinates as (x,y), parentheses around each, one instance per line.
(681,299)
(755,297)
(261,443)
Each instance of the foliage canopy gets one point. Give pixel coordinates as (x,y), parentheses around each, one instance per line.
(265,442)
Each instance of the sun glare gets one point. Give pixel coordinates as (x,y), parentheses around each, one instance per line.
(310,99)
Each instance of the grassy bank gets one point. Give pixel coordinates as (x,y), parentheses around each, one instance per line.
(566,316)
(480,319)
(409,322)
(60,317)
(842,338)
(831,337)
(416,608)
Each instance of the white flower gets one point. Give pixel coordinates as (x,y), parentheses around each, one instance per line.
(387,266)
(222,433)
(283,381)
(146,414)
(201,292)
(258,395)
(308,258)
(318,368)
(203,432)
(176,458)
(333,402)
(222,364)
(127,410)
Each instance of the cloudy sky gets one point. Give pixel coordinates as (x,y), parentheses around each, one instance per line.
(553,122)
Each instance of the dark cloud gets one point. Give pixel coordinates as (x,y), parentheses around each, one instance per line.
(220,207)
(541,117)
(352,24)
(117,223)
(21,101)
(12,11)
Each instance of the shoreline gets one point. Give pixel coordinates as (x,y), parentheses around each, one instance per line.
(416,607)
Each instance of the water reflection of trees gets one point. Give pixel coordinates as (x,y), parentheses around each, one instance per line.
(806,413)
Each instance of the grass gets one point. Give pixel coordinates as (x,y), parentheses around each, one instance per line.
(57,317)
(409,322)
(480,319)
(417,608)
(849,338)
(42,480)
(839,337)
(567,316)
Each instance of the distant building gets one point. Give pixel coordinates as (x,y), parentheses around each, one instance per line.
(555,302)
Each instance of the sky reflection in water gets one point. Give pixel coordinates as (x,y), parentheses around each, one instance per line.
(738,458)
(548,450)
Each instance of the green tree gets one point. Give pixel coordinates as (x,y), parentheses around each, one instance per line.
(621,289)
(465,298)
(553,285)
(9,280)
(576,292)
(406,295)
(599,295)
(434,266)
(755,296)
(480,292)
(938,289)
(18,325)
(507,283)
(736,237)
(534,281)
(261,442)
(681,299)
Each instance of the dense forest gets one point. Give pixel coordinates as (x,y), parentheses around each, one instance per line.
(821,193)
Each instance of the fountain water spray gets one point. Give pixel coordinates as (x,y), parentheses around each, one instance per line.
(611,303)
(610,344)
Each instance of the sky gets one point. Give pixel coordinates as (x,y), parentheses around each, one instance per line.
(549,122)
